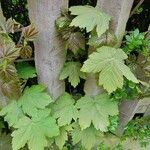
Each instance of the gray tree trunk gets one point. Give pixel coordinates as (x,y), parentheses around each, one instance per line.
(49,50)
(119,10)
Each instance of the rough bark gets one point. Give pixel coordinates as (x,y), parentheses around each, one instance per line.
(119,10)
(49,51)
(128,109)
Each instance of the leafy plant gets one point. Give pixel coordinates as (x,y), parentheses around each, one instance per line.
(109,62)
(139,129)
(89,17)
(129,91)
(136,41)
(25,70)
(101,107)
(64,110)
(88,137)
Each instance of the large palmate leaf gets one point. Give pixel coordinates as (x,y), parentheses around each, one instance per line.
(12,113)
(72,71)
(25,70)
(109,62)
(63,136)
(89,137)
(89,17)
(34,98)
(96,111)
(64,110)
(34,131)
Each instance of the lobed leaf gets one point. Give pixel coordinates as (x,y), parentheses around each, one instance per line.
(109,63)
(34,131)
(89,17)
(88,137)
(34,98)
(25,70)
(72,71)
(12,113)
(64,110)
(98,110)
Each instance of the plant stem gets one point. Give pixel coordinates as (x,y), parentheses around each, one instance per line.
(22,60)
(136,7)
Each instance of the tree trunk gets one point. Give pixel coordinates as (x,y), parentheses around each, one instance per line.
(119,10)
(49,50)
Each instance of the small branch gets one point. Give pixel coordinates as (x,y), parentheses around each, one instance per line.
(136,7)
(22,60)
(21,37)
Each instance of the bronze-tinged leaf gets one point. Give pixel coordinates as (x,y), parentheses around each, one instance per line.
(74,41)
(8,51)
(8,72)
(108,39)
(26,52)
(11,89)
(62,23)
(29,33)
(11,25)
(7,26)
(66,33)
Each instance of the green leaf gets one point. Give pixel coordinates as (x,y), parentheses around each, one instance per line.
(12,113)
(64,110)
(34,131)
(97,111)
(72,71)
(25,70)
(89,17)
(109,62)
(63,136)
(34,98)
(88,137)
